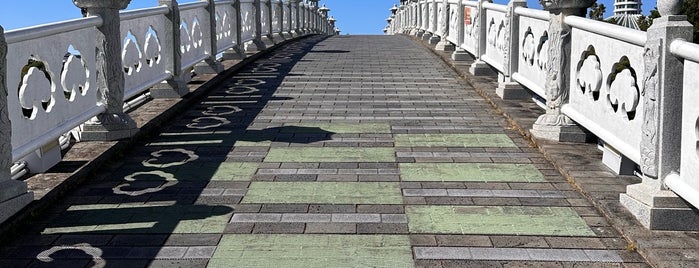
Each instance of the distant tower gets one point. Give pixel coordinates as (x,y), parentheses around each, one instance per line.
(627,12)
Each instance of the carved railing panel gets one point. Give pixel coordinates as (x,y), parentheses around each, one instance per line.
(471,27)
(193,34)
(498,36)
(606,83)
(454,20)
(142,50)
(226,26)
(533,53)
(51,82)
(247,20)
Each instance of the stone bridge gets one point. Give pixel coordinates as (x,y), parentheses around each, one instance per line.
(249,133)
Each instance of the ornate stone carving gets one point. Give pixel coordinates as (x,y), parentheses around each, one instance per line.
(504,38)
(649,129)
(669,7)
(556,92)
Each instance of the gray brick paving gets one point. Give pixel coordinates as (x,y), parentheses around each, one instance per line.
(386,80)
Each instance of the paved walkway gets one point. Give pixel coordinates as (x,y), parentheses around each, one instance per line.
(352,151)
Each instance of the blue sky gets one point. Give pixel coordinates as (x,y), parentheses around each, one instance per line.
(354,16)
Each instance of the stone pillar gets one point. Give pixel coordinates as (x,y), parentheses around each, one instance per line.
(295,29)
(176,86)
(288,17)
(460,54)
(649,201)
(434,39)
(113,124)
(14,195)
(426,34)
(414,17)
(236,52)
(278,10)
(554,125)
(507,88)
(210,65)
(444,45)
(479,67)
(256,44)
(332,21)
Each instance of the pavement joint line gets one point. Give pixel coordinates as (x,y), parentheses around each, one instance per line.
(516,254)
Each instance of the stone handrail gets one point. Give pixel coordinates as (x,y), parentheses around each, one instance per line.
(52,81)
(621,85)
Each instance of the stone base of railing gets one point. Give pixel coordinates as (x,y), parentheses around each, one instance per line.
(414,32)
(426,36)
(234,53)
(108,127)
(278,38)
(564,133)
(169,89)
(208,67)
(254,46)
(461,55)
(434,39)
(287,35)
(512,91)
(445,45)
(420,33)
(268,40)
(13,197)
(659,210)
(480,68)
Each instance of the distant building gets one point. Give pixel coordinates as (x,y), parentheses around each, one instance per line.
(627,12)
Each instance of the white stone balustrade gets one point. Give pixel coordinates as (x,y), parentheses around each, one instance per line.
(52,81)
(622,85)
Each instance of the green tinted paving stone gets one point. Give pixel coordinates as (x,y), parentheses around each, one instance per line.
(453,140)
(337,128)
(475,172)
(324,192)
(307,251)
(330,154)
(560,221)
(140,219)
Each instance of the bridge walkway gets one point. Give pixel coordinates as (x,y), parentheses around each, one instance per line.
(349,151)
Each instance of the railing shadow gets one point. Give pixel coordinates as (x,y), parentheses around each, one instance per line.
(184,181)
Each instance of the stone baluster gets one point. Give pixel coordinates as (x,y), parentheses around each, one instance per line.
(332,21)
(210,65)
(176,86)
(256,44)
(295,29)
(507,88)
(460,54)
(554,125)
(479,67)
(415,17)
(649,201)
(113,124)
(14,194)
(279,18)
(267,39)
(236,52)
(444,44)
(285,19)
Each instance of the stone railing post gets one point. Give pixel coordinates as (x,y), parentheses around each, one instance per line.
(288,17)
(460,54)
(14,194)
(444,44)
(649,201)
(479,67)
(279,7)
(113,124)
(554,125)
(176,86)
(434,23)
(256,44)
(507,88)
(426,22)
(210,65)
(236,52)
(294,7)
(414,17)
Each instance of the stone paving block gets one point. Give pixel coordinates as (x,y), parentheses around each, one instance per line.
(435,253)
(192,240)
(453,140)
(463,241)
(496,220)
(262,217)
(303,251)
(307,218)
(471,172)
(324,193)
(356,218)
(330,154)
(200,252)
(331,228)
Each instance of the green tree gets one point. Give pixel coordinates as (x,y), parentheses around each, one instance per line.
(597,11)
(691,9)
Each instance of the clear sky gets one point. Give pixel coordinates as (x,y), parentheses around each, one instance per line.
(354,16)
